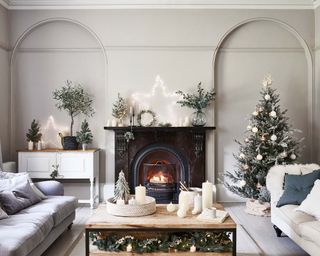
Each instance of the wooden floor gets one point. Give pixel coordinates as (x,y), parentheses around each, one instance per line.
(255,236)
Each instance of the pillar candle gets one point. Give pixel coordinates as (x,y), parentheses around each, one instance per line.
(184,201)
(140,194)
(197,208)
(207,195)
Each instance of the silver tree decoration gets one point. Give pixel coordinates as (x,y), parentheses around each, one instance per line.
(122,190)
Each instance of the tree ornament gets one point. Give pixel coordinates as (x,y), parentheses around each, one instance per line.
(273,113)
(273,137)
(293,156)
(263,138)
(246,140)
(254,129)
(249,127)
(245,167)
(122,190)
(255,113)
(283,154)
(267,97)
(260,109)
(259,157)
(242,183)
(242,156)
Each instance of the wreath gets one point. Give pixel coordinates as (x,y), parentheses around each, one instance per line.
(146,118)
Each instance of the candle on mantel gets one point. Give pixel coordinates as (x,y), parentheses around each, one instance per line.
(193,248)
(129,248)
(140,194)
(184,200)
(207,195)
(131,111)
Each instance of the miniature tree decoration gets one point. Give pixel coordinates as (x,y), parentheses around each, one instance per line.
(34,134)
(122,190)
(268,142)
(75,100)
(120,108)
(84,136)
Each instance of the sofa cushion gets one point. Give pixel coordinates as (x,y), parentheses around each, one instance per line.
(18,198)
(59,207)
(292,217)
(8,183)
(311,204)
(297,187)
(310,231)
(21,233)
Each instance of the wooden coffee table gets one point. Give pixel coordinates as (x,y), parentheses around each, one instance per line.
(161,221)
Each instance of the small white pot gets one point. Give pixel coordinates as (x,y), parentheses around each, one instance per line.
(30,145)
(84,146)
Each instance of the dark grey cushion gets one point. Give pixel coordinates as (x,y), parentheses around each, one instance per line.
(18,198)
(297,187)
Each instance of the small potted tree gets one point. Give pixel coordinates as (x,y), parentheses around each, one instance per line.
(33,135)
(120,109)
(75,100)
(84,136)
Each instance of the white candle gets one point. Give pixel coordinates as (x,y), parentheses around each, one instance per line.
(120,202)
(140,194)
(193,248)
(171,207)
(39,146)
(184,200)
(197,207)
(132,201)
(114,122)
(214,212)
(207,195)
(131,111)
(129,248)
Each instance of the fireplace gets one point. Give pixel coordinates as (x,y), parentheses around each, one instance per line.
(160,157)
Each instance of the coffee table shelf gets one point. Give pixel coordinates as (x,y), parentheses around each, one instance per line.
(161,221)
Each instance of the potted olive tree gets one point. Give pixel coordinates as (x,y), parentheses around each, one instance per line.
(75,100)
(84,136)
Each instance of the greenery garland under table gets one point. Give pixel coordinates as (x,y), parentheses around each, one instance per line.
(139,242)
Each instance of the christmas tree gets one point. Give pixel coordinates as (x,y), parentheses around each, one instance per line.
(269,141)
(122,190)
(84,136)
(120,108)
(34,134)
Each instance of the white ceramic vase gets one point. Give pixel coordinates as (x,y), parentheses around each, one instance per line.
(30,145)
(84,146)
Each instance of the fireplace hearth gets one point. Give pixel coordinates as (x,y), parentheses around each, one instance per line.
(160,157)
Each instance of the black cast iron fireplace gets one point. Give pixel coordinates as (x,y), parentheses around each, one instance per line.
(160,157)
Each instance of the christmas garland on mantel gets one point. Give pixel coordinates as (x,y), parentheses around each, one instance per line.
(173,242)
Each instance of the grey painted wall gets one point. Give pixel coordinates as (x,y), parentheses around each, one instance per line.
(317,78)
(177,45)
(4,83)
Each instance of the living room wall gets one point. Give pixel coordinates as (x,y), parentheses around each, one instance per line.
(178,46)
(317,78)
(4,84)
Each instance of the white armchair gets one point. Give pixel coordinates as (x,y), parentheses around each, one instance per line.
(8,166)
(302,228)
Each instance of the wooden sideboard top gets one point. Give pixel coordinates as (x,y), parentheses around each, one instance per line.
(47,150)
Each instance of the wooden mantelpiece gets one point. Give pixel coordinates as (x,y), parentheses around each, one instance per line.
(160,129)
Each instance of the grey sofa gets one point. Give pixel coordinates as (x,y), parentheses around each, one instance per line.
(32,230)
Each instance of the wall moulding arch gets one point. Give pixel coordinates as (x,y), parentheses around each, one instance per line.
(310,75)
(15,49)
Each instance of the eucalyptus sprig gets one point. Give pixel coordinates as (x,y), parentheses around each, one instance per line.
(199,100)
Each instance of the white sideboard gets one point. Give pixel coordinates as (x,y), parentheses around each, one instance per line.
(74,166)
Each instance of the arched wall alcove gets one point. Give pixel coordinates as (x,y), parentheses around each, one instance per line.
(243,56)
(46,55)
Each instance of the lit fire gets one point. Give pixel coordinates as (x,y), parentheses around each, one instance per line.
(159,179)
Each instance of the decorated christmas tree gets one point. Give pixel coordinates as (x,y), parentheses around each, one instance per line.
(122,190)
(269,141)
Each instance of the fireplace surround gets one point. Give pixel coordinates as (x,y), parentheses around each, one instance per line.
(160,157)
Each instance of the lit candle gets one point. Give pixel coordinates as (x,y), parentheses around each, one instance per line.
(132,201)
(171,207)
(207,195)
(140,194)
(131,111)
(197,207)
(120,202)
(193,248)
(129,248)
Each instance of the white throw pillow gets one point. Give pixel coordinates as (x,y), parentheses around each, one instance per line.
(12,182)
(311,205)
(3,214)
